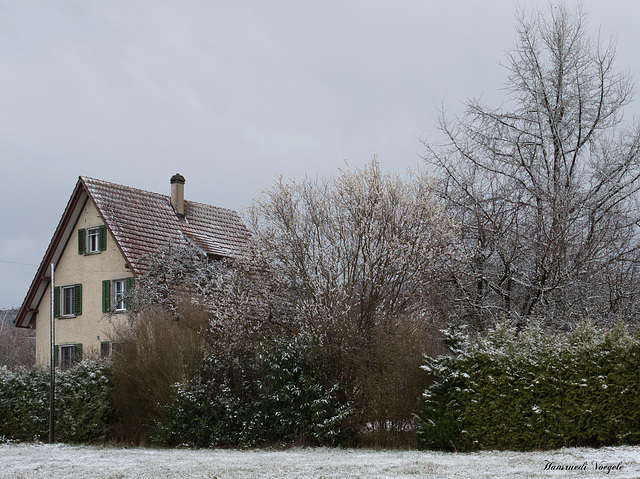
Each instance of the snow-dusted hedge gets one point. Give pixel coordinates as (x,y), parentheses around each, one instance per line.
(271,395)
(84,410)
(535,390)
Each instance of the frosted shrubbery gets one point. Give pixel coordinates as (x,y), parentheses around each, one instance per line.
(265,395)
(536,389)
(84,410)
(24,404)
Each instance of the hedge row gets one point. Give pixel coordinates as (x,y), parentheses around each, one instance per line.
(272,395)
(84,411)
(535,390)
(265,396)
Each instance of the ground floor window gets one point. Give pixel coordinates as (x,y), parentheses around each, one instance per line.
(68,355)
(107,348)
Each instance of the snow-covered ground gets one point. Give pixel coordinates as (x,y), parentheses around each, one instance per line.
(53,461)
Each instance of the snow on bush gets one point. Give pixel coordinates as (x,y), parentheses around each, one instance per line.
(535,390)
(83,411)
(273,394)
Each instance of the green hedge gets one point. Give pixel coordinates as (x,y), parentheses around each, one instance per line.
(535,390)
(84,410)
(271,395)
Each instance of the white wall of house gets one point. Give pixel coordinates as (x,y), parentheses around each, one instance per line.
(92,326)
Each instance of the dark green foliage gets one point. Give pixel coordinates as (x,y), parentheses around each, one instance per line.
(24,404)
(535,390)
(293,402)
(84,410)
(272,395)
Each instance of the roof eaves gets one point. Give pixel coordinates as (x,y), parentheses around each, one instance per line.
(53,253)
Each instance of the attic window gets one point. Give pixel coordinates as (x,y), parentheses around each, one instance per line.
(92,240)
(93,237)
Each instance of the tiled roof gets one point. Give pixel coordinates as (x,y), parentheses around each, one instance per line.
(143,222)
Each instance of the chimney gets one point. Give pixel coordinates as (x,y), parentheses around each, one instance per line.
(177,194)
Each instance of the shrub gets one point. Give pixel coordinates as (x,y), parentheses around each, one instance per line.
(271,394)
(84,406)
(84,412)
(379,372)
(294,403)
(24,404)
(535,390)
(157,350)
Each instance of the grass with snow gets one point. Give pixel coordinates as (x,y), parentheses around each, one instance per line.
(42,460)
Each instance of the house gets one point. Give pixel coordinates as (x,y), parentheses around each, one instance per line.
(105,239)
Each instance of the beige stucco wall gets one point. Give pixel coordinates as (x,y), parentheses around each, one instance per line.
(92,326)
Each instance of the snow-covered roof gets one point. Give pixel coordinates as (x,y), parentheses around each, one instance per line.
(141,223)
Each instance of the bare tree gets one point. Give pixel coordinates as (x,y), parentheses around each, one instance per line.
(365,242)
(17,345)
(545,185)
(364,253)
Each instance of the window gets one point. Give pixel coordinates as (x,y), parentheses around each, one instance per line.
(67,301)
(107,348)
(120,290)
(93,236)
(114,294)
(92,240)
(66,356)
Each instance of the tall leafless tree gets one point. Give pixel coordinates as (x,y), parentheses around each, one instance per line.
(545,186)
(365,242)
(364,254)
(17,345)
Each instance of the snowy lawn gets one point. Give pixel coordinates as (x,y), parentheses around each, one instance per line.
(53,461)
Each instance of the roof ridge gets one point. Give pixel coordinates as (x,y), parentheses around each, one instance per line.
(84,178)
(193,202)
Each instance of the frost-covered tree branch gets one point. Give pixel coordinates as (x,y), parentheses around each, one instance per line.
(545,186)
(240,297)
(365,243)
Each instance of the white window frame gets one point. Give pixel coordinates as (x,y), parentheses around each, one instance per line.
(93,240)
(67,352)
(67,303)
(119,293)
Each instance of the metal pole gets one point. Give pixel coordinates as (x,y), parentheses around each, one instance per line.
(52,395)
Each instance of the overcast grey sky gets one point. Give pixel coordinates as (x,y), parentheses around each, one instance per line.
(232,94)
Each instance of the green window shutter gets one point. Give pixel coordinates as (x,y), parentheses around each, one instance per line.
(102,238)
(128,296)
(77,353)
(77,299)
(106,296)
(82,238)
(56,302)
(56,355)
(104,349)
